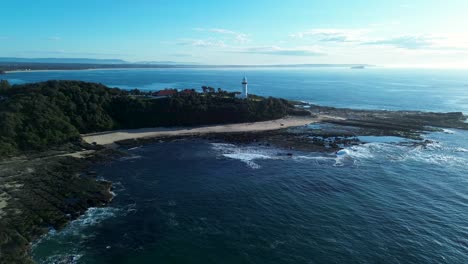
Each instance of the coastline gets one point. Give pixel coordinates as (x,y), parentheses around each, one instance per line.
(109,138)
(74,164)
(61,70)
(46,191)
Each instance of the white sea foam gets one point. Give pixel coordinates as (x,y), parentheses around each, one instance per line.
(342,152)
(365,151)
(434,153)
(134,148)
(93,216)
(461,150)
(63,258)
(448,131)
(247,154)
(248,158)
(118,187)
(319,158)
(250,154)
(71,236)
(133,157)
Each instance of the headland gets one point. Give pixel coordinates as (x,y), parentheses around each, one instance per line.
(54,132)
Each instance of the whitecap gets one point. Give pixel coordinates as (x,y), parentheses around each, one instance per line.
(434,153)
(248,158)
(461,150)
(246,154)
(134,148)
(320,158)
(133,157)
(63,258)
(448,131)
(364,151)
(342,152)
(92,216)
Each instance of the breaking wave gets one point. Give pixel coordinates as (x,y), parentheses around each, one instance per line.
(247,154)
(73,235)
(250,154)
(132,157)
(93,216)
(433,153)
(63,259)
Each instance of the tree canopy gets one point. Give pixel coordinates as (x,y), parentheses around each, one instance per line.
(38,115)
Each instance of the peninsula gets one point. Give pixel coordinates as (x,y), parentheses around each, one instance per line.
(52,132)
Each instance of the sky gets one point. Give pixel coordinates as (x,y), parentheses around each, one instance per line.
(416,33)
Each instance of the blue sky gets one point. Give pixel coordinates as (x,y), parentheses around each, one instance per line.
(394,33)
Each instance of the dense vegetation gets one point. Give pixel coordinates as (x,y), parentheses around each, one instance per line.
(39,115)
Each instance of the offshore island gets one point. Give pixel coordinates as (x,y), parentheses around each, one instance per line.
(52,133)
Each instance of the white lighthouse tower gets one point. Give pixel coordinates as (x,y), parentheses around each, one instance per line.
(244,94)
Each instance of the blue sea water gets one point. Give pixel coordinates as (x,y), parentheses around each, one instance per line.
(199,201)
(372,88)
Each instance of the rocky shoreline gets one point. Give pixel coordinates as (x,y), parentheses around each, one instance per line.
(338,128)
(44,191)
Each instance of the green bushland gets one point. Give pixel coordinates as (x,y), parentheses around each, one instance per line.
(39,115)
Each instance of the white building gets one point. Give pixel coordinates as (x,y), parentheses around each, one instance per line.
(244,93)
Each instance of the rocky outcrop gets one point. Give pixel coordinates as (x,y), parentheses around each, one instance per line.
(42,193)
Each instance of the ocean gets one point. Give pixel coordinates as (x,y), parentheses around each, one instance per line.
(201,201)
(372,88)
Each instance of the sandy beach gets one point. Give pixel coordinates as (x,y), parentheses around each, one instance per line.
(110,137)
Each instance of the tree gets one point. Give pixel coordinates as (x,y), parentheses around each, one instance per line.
(4,85)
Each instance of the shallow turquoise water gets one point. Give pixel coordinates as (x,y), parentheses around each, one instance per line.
(196,201)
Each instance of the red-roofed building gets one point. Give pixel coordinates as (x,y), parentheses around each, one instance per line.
(188,91)
(167,92)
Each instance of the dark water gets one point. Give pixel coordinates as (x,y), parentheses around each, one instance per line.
(195,201)
(203,202)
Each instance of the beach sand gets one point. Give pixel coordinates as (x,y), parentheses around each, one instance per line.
(110,137)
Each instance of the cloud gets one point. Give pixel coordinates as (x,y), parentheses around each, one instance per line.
(405,42)
(205,43)
(332,35)
(237,36)
(275,50)
(363,37)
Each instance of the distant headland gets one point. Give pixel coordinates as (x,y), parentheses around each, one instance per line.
(9,64)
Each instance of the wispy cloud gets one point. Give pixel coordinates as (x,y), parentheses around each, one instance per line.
(372,36)
(332,35)
(202,43)
(275,50)
(405,42)
(237,36)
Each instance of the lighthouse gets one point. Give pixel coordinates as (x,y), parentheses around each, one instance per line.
(244,94)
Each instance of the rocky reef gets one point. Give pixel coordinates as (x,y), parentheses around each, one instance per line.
(44,191)
(337,128)
(409,124)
